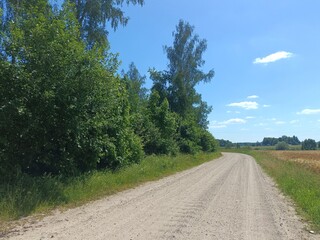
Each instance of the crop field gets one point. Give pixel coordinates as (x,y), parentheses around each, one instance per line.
(311,159)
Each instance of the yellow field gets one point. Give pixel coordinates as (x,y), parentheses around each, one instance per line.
(308,158)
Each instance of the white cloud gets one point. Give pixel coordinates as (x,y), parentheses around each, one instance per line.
(250,117)
(266,105)
(218,126)
(245,105)
(234,121)
(224,124)
(309,111)
(253,97)
(234,112)
(280,122)
(273,57)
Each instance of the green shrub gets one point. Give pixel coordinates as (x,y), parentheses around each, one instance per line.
(282,146)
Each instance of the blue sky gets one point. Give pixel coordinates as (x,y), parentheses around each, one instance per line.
(265,54)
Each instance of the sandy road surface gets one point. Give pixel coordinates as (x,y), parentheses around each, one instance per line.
(228,198)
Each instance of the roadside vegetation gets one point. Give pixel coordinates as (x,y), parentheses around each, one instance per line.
(72,127)
(31,195)
(297,175)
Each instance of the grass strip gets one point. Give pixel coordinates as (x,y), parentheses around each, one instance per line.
(32,195)
(295,180)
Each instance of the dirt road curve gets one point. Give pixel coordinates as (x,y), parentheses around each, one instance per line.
(228,198)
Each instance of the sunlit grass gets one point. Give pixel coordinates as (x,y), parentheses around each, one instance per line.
(33,195)
(297,180)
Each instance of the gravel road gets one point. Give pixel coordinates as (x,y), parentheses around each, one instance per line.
(228,198)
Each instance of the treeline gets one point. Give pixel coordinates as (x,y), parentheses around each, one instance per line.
(64,108)
(270,141)
(281,143)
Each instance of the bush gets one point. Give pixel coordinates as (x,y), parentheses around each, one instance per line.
(207,142)
(282,146)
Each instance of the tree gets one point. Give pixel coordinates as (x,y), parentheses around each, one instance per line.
(295,141)
(309,144)
(225,143)
(161,123)
(178,83)
(269,141)
(136,92)
(94,14)
(290,140)
(62,107)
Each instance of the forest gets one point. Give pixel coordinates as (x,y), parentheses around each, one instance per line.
(65,106)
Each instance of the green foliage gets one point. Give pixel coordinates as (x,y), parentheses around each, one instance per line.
(290,140)
(309,144)
(137,94)
(193,138)
(63,110)
(160,127)
(94,14)
(225,143)
(282,146)
(271,141)
(207,142)
(177,85)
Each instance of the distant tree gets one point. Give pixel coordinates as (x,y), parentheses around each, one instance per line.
(295,141)
(282,146)
(225,143)
(290,140)
(269,141)
(309,144)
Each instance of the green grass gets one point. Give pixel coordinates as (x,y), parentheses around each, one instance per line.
(34,195)
(295,180)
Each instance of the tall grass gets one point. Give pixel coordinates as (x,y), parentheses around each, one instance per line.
(33,195)
(297,181)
